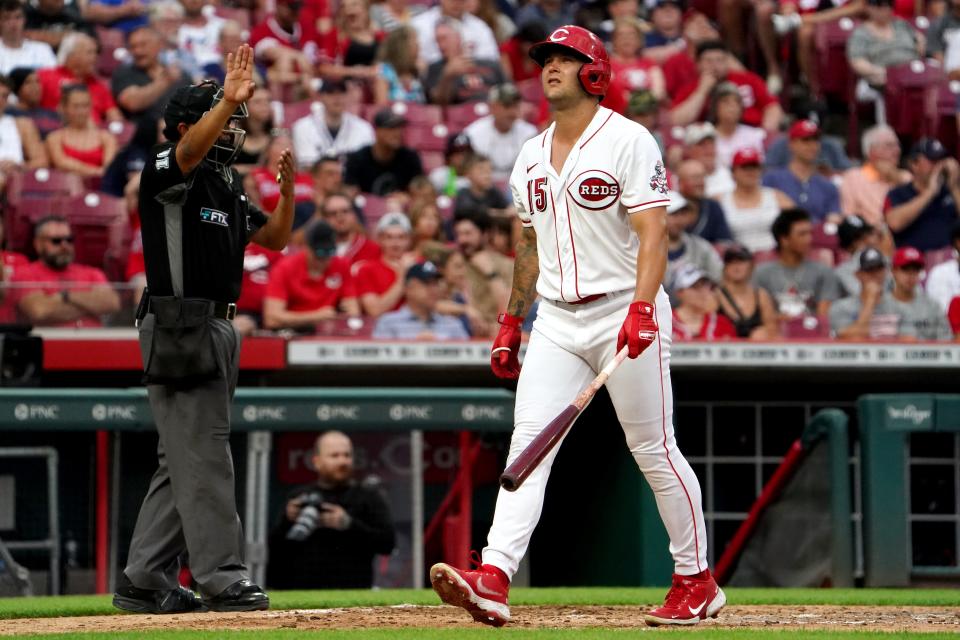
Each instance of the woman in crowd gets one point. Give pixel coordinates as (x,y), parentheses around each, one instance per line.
(26,87)
(20,143)
(352,46)
(631,71)
(399,77)
(751,208)
(749,308)
(456,297)
(696,317)
(258,124)
(80,146)
(726,109)
(427,226)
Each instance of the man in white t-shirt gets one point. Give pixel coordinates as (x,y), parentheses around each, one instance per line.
(943,282)
(200,34)
(500,135)
(329,128)
(478,40)
(15,49)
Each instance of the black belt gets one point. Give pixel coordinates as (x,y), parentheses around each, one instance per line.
(224,310)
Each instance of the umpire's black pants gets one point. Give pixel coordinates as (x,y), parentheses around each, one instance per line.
(191,505)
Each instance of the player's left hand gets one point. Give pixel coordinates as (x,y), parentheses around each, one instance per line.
(639,329)
(286,173)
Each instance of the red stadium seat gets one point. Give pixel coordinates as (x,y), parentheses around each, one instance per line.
(459,116)
(416,114)
(944,107)
(357,327)
(910,89)
(823,256)
(445,207)
(20,221)
(805,327)
(825,236)
(99,224)
(373,208)
(431,160)
(832,67)
(293,111)
(112,52)
(42,183)
(938,256)
(426,137)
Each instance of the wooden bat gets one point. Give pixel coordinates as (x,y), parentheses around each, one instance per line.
(534,453)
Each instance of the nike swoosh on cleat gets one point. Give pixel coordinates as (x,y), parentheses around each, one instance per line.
(481,588)
(697,611)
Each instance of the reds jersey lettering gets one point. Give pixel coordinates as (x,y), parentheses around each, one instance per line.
(585,243)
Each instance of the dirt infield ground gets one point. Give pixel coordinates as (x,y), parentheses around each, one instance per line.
(892,619)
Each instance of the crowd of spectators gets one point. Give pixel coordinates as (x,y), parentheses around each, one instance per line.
(406,117)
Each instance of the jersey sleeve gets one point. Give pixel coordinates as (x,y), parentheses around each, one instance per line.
(518,189)
(256,219)
(644,175)
(162,178)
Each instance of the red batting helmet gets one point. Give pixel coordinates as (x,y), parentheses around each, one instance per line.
(595,72)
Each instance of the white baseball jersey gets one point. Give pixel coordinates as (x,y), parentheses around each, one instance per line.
(585,243)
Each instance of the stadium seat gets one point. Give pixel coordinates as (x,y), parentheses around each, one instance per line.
(112,51)
(19,221)
(241,16)
(910,89)
(356,327)
(35,191)
(805,327)
(445,207)
(373,208)
(457,117)
(431,160)
(416,114)
(293,111)
(944,109)
(825,236)
(99,224)
(832,67)
(426,137)
(938,256)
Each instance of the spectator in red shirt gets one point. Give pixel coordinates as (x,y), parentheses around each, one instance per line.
(279,44)
(310,286)
(680,69)
(953,315)
(631,71)
(56,291)
(265,177)
(379,283)
(696,317)
(352,241)
(77,58)
(257,262)
(515,57)
(691,103)
(81,146)
(11,262)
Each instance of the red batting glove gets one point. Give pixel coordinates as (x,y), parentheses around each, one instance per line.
(504,356)
(639,329)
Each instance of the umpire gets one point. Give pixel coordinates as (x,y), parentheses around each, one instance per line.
(196,221)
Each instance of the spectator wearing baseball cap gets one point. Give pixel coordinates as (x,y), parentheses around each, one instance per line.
(710,222)
(922,212)
(310,286)
(418,319)
(872,314)
(800,180)
(726,110)
(500,134)
(748,307)
(329,129)
(696,317)
(385,167)
(683,248)
(799,286)
(644,108)
(700,144)
(379,283)
(943,282)
(919,315)
(451,177)
(854,235)
(751,207)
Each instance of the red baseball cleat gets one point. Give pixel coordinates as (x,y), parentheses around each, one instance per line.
(482,592)
(690,600)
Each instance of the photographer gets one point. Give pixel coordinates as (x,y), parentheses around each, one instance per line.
(331,529)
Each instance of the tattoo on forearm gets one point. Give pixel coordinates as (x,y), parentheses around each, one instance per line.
(526,270)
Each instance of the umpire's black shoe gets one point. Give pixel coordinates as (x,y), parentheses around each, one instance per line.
(242,595)
(137,600)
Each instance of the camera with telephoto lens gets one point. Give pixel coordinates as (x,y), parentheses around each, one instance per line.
(308,518)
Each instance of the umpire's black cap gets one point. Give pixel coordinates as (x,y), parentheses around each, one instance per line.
(187,105)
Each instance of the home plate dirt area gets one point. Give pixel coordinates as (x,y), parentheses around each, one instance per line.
(768,617)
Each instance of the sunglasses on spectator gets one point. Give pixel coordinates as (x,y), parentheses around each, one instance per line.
(59,240)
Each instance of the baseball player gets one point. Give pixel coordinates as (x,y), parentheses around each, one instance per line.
(591,193)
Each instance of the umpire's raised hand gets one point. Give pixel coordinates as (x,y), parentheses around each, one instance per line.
(238,84)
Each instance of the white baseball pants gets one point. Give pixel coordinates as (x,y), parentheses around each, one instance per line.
(569,345)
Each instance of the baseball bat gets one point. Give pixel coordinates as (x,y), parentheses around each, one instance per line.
(534,453)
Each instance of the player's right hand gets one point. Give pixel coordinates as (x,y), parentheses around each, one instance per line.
(505,354)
